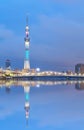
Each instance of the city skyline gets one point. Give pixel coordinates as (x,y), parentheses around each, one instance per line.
(56,32)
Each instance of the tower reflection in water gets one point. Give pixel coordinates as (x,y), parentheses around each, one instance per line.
(27,105)
(79,85)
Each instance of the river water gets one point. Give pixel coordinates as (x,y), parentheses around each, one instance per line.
(42,105)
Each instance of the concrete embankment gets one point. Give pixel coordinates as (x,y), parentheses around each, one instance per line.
(52,78)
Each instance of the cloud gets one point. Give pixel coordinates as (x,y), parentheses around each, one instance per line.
(57,39)
(10,43)
(11,47)
(66,1)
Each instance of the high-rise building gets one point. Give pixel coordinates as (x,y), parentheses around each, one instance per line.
(8,64)
(79,68)
(27,44)
(27,105)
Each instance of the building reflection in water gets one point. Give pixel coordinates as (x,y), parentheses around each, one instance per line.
(79,86)
(9,83)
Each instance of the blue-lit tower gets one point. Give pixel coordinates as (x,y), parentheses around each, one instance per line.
(27,44)
(27,105)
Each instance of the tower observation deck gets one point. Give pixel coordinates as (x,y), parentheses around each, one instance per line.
(27,44)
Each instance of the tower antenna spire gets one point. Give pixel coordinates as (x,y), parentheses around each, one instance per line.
(27,19)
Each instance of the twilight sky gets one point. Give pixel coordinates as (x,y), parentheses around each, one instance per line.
(56,32)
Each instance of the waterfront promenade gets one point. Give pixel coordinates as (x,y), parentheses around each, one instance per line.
(41,75)
(44,77)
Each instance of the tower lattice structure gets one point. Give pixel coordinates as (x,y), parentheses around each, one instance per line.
(27,44)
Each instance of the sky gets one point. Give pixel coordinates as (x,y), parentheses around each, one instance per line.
(56,33)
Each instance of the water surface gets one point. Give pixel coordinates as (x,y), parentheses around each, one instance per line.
(52,105)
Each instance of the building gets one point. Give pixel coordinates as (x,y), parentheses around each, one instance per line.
(8,64)
(79,68)
(27,44)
